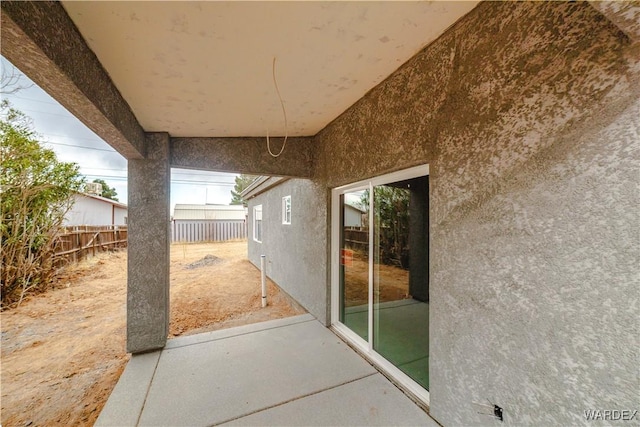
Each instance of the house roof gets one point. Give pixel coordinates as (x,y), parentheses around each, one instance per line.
(104,199)
(262,184)
(208,207)
(219,212)
(354,206)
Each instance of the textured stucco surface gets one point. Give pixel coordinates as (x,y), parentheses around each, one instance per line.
(535,289)
(528,116)
(296,253)
(244,155)
(41,40)
(624,14)
(149,240)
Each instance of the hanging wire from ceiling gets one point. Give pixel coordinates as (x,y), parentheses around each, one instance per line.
(284,113)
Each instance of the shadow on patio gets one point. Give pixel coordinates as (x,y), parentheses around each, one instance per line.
(291,371)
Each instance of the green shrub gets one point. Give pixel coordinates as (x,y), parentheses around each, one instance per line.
(36,191)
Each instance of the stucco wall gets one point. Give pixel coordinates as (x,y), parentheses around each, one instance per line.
(296,253)
(528,116)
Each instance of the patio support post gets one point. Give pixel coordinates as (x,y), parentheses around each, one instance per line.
(149,240)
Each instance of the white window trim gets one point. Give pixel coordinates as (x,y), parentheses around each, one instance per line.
(286,221)
(255,209)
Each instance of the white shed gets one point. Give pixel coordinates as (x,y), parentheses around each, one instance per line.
(89,209)
(353,215)
(209,212)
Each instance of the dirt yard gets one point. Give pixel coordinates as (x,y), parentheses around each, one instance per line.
(392,282)
(63,351)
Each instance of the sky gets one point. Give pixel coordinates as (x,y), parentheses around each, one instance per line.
(72,141)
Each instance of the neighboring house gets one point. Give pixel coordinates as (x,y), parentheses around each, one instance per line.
(353,215)
(501,264)
(200,223)
(89,209)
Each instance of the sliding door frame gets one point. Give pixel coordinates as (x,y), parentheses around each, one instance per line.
(366,347)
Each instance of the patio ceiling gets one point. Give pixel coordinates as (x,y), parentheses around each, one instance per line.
(205,68)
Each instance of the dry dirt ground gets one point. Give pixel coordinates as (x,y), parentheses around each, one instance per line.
(63,351)
(392,283)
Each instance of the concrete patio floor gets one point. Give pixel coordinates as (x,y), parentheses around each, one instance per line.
(291,371)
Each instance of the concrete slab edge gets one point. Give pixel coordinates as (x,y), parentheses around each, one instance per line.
(125,404)
(240,330)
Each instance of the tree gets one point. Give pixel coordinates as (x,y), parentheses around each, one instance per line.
(36,192)
(242,182)
(11,79)
(107,192)
(391,218)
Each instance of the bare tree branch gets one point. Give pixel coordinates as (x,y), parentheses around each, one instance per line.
(11,79)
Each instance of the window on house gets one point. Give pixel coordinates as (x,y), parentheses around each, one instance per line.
(257,223)
(286,210)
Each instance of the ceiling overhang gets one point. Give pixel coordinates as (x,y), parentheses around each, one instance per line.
(204,69)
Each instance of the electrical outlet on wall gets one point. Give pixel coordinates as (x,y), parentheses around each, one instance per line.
(489,409)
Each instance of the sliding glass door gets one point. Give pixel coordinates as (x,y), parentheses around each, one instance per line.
(400,277)
(383,270)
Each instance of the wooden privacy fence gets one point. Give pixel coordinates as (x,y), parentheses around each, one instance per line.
(356,238)
(208,230)
(77,242)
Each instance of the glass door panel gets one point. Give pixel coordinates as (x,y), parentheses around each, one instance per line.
(354,263)
(400,276)
(381,285)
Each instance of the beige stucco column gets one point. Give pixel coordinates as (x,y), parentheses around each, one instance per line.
(148,254)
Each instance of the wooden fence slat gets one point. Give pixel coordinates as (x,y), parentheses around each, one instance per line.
(78,241)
